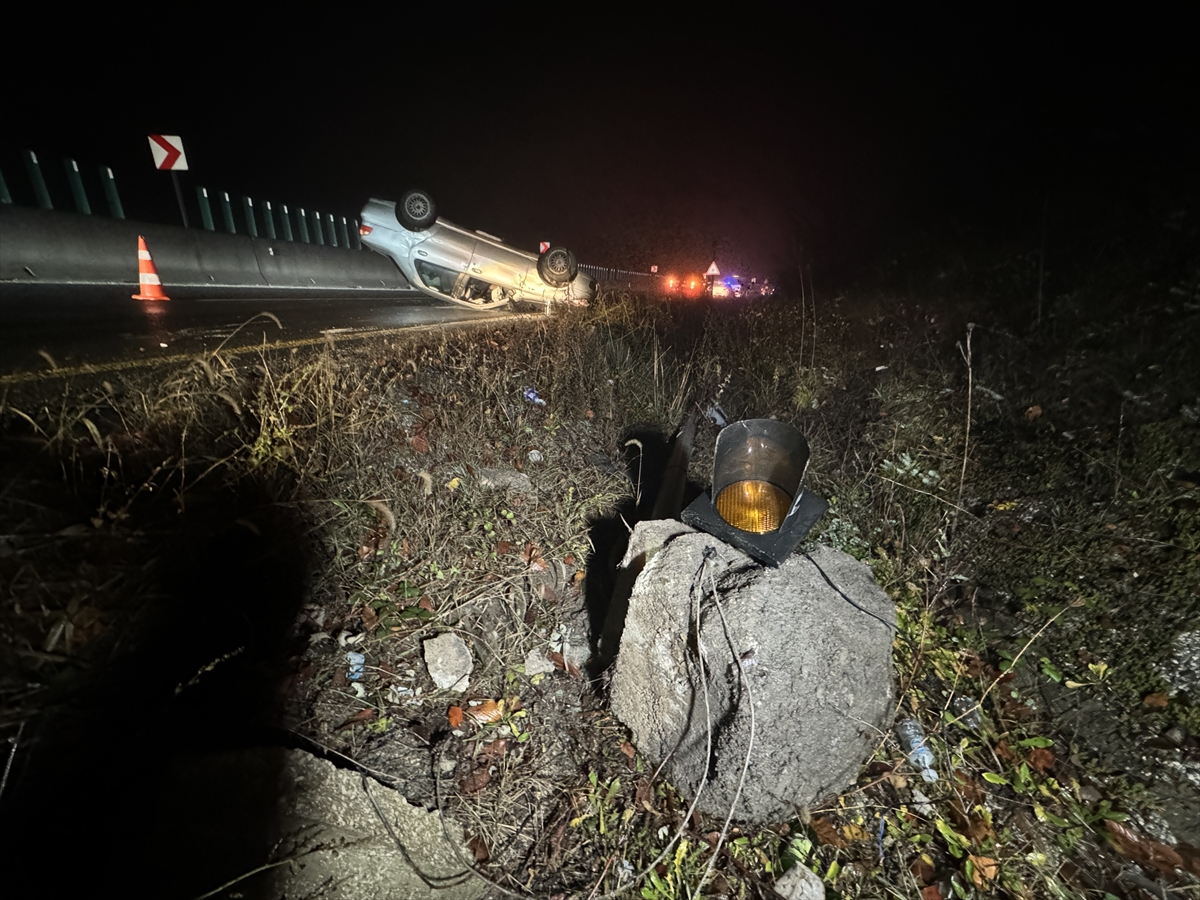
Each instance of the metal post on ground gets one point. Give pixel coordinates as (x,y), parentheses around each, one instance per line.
(76,182)
(248,210)
(179,197)
(330,230)
(302,222)
(36,179)
(205,208)
(269,219)
(110,192)
(5,196)
(287,223)
(355,237)
(316,227)
(227,212)
(343,234)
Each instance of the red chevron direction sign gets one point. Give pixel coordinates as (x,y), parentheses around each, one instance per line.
(168,152)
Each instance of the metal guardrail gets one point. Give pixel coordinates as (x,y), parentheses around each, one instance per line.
(612,278)
(281,222)
(311,226)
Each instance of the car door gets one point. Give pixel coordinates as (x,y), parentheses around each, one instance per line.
(448,249)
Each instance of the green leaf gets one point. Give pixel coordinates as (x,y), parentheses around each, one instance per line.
(1050,670)
(834,870)
(954,841)
(1043,816)
(1036,742)
(993,778)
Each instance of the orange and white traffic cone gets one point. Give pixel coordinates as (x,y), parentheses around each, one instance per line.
(148,281)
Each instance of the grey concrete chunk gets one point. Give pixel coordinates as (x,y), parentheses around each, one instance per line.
(341,848)
(449,661)
(817,667)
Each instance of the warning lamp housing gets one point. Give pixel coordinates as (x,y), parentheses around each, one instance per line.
(758,503)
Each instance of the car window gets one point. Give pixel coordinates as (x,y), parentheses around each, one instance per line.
(437,278)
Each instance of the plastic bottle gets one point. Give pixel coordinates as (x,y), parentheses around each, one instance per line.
(967,710)
(915,746)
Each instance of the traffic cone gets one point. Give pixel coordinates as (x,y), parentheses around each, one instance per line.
(148,280)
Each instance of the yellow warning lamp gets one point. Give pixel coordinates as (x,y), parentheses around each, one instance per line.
(760,504)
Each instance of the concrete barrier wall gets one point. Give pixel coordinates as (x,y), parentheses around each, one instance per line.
(50,247)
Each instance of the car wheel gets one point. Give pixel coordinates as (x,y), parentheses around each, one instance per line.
(416,210)
(557,266)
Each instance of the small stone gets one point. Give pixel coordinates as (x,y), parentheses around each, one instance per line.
(537,663)
(800,883)
(506,479)
(449,662)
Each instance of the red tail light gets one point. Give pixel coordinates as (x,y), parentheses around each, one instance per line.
(364,230)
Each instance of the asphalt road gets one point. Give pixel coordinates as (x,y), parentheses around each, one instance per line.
(73,326)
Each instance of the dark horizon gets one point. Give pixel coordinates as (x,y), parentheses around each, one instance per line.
(856,140)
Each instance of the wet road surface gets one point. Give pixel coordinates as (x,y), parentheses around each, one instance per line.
(46,326)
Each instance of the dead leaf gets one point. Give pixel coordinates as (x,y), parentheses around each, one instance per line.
(495,749)
(419,443)
(628,749)
(1156,701)
(477,847)
(986,869)
(476,781)
(1143,850)
(425,603)
(484,712)
(454,715)
(557,659)
(931,892)
(1042,759)
(532,557)
(969,787)
(643,794)
(569,559)
(503,548)
(855,833)
(359,718)
(369,617)
(1032,413)
(1191,857)
(827,833)
(922,871)
(404,546)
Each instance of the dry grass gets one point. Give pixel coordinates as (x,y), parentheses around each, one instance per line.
(366,457)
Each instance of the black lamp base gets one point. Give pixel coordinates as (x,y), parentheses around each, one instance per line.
(770,549)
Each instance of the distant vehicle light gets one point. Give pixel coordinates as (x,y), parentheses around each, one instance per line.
(364,230)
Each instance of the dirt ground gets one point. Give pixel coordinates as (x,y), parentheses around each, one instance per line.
(189,561)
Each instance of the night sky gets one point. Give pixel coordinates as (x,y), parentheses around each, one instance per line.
(831,140)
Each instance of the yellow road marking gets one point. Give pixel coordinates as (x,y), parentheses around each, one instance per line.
(147,362)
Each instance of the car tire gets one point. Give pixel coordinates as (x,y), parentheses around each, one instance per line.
(416,210)
(557,266)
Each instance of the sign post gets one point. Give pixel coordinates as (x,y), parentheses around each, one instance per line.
(169,156)
(711,274)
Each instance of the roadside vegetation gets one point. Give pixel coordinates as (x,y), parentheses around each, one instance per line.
(1028,493)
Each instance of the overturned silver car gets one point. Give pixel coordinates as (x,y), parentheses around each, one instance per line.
(469,268)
